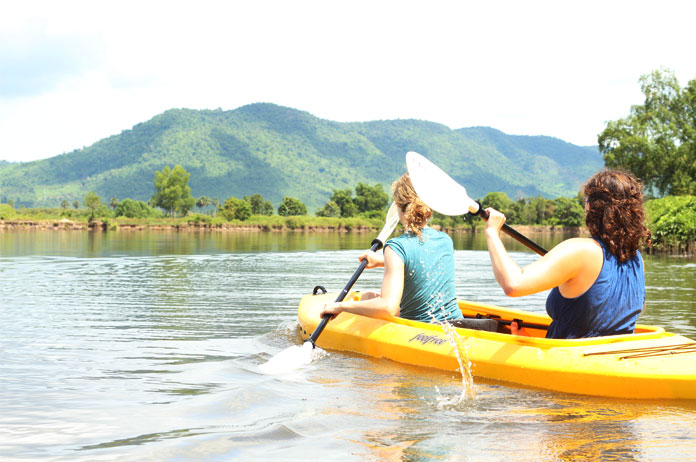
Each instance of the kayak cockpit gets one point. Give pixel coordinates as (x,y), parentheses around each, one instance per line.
(528,324)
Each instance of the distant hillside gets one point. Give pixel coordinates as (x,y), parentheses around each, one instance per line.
(278,151)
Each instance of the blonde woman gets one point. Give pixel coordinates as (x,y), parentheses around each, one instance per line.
(418,268)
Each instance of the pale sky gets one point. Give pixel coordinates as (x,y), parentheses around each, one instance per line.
(74,72)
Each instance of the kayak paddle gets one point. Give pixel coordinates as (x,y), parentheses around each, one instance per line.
(442,194)
(295,356)
(378,243)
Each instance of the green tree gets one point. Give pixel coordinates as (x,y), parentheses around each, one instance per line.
(203,202)
(7,212)
(672,221)
(370,198)
(344,199)
(541,209)
(64,204)
(259,206)
(76,204)
(92,202)
(290,206)
(236,209)
(498,200)
(113,203)
(330,209)
(133,209)
(172,192)
(523,212)
(657,140)
(502,203)
(568,212)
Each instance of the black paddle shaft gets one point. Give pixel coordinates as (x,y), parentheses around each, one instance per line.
(376,245)
(524,240)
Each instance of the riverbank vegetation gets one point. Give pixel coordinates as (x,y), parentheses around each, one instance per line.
(671,220)
(672,223)
(657,143)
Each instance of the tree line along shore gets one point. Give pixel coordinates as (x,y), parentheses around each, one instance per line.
(173,205)
(671,219)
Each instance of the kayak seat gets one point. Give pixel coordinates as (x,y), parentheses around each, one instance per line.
(490,325)
(515,329)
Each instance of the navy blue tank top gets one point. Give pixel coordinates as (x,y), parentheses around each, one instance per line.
(610,306)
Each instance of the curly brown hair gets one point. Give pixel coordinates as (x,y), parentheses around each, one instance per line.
(414,209)
(616,215)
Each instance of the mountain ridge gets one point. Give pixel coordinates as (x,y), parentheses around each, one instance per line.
(279,151)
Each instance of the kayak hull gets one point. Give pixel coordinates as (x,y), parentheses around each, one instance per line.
(650,364)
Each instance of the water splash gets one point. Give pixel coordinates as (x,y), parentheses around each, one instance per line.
(458,402)
(461,352)
(292,358)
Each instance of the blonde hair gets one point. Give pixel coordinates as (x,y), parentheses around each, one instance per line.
(416,213)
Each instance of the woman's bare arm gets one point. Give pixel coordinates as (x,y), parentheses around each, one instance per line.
(572,265)
(388,303)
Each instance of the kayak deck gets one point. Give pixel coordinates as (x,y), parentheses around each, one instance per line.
(651,363)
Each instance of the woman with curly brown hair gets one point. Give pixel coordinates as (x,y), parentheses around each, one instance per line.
(418,268)
(597,284)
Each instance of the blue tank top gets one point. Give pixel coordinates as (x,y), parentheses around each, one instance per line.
(429,292)
(610,306)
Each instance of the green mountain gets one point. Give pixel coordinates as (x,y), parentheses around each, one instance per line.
(278,151)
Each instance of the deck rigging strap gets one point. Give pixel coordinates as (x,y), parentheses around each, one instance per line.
(650,351)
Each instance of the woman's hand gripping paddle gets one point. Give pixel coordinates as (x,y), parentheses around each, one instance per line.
(378,243)
(294,356)
(442,194)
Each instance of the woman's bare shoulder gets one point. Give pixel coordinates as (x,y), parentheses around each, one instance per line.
(576,250)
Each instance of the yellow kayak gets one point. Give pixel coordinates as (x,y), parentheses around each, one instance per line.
(650,364)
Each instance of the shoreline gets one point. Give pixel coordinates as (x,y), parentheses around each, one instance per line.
(98,226)
(68,225)
(196,227)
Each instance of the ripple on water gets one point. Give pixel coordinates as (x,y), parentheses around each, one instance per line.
(155,357)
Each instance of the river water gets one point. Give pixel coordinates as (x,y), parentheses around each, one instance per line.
(145,346)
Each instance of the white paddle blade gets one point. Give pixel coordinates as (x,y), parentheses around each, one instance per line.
(436,188)
(390,223)
(292,358)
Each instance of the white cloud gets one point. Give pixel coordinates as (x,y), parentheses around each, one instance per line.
(550,68)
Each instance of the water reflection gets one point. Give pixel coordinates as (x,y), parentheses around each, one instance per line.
(408,424)
(582,429)
(96,243)
(145,346)
(671,294)
(477,241)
